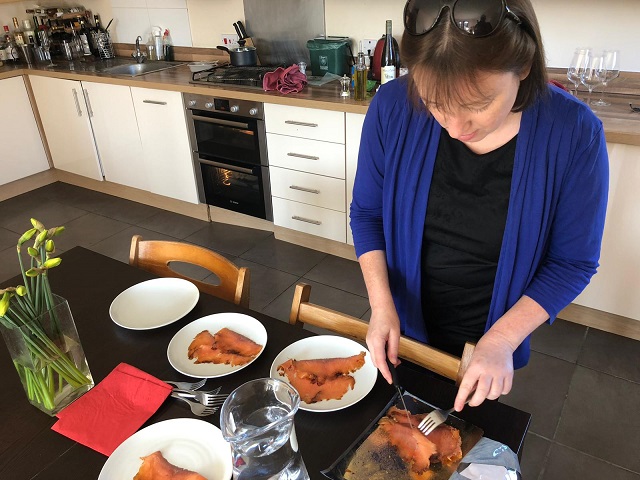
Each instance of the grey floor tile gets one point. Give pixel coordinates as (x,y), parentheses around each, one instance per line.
(540,388)
(9,266)
(562,340)
(284,256)
(367,315)
(88,230)
(601,418)
(534,456)
(101,203)
(597,354)
(51,214)
(229,239)
(339,273)
(8,238)
(18,205)
(569,463)
(322,295)
(118,245)
(173,224)
(266,283)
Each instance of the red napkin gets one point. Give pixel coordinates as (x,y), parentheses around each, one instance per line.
(113,410)
(289,80)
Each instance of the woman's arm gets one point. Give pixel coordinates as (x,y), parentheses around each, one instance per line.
(490,372)
(383,334)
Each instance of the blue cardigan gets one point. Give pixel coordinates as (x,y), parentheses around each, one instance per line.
(555,218)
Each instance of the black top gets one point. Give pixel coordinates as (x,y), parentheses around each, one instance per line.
(466,216)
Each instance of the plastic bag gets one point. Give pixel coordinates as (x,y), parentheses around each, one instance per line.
(489,460)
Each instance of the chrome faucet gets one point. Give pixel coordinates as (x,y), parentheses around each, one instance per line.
(137,53)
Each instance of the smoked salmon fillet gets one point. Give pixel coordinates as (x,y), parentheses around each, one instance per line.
(225,346)
(156,467)
(323,378)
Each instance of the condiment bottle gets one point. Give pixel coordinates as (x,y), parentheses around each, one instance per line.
(360,77)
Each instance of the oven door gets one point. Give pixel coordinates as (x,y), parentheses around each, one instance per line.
(243,189)
(235,139)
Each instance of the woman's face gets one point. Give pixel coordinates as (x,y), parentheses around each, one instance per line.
(484,113)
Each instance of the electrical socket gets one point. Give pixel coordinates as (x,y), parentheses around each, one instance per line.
(369,45)
(229,39)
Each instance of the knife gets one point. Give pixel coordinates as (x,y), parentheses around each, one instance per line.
(396,383)
(238,31)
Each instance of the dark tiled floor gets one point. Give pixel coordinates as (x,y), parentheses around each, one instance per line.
(582,385)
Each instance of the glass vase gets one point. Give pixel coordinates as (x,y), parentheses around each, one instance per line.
(48,356)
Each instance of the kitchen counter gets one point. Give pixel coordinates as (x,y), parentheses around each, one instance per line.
(621,124)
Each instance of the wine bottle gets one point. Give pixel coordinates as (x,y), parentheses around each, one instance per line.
(389,62)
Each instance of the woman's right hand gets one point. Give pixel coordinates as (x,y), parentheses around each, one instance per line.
(383,337)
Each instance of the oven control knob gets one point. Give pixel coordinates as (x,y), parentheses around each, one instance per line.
(253,111)
(208,105)
(234,108)
(192,103)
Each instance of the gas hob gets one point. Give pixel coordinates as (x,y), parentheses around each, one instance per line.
(231,75)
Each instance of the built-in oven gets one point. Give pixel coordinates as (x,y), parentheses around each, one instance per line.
(229,152)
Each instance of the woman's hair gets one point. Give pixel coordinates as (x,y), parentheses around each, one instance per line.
(445,64)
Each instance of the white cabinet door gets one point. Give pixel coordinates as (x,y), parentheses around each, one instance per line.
(615,287)
(66,124)
(115,130)
(165,143)
(354,123)
(22,150)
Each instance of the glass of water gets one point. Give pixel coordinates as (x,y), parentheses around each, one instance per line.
(257,420)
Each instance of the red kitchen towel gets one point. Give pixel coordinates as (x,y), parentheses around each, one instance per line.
(113,410)
(289,80)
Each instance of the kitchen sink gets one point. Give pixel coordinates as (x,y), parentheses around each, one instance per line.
(135,69)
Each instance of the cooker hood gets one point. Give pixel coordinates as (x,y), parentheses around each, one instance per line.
(280,28)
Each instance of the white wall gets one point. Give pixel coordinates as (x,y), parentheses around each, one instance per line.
(565,24)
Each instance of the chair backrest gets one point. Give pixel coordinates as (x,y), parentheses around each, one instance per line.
(442,363)
(155,256)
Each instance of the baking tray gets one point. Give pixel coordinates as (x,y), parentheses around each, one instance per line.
(385,463)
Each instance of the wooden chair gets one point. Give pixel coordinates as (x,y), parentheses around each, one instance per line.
(442,363)
(155,256)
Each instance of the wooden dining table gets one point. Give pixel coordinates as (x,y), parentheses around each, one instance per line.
(29,449)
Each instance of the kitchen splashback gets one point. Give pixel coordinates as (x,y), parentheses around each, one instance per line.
(280,28)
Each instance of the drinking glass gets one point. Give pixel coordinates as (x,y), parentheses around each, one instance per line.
(611,61)
(45,41)
(577,67)
(593,74)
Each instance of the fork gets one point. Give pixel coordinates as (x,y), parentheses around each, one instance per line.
(437,417)
(205,398)
(187,385)
(197,408)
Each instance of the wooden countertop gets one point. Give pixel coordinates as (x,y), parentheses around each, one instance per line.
(621,124)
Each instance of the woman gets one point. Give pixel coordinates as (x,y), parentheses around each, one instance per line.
(480,194)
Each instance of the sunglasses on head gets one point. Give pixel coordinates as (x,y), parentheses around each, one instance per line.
(476,18)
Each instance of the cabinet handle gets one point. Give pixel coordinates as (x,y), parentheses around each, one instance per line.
(154,102)
(301,155)
(86,99)
(303,189)
(300,124)
(75,97)
(306,220)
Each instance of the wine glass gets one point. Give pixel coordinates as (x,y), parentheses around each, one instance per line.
(611,61)
(45,41)
(577,67)
(593,74)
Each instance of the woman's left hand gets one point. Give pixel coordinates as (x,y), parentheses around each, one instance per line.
(490,372)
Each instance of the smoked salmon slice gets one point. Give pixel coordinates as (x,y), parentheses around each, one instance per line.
(156,467)
(322,378)
(225,346)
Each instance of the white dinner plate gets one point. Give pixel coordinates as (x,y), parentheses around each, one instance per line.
(330,346)
(238,322)
(185,442)
(154,303)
